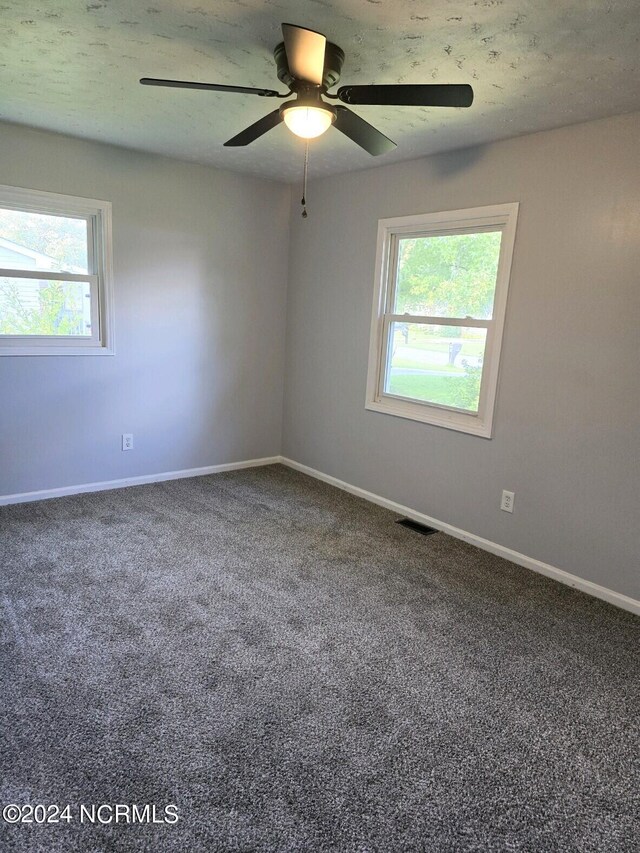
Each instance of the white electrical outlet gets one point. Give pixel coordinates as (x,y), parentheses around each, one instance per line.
(127,441)
(507,500)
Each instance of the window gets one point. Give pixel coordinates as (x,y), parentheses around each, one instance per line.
(438,316)
(55,274)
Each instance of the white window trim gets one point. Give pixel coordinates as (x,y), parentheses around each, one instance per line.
(100,279)
(501,216)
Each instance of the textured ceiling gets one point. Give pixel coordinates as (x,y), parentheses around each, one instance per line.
(73,67)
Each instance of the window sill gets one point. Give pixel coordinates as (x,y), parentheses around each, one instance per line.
(458,421)
(54,350)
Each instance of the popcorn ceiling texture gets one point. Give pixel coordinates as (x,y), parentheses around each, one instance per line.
(296,672)
(73,67)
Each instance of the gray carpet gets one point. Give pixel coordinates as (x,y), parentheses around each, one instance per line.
(296,672)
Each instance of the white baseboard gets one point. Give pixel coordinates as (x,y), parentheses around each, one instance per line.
(594,589)
(105,485)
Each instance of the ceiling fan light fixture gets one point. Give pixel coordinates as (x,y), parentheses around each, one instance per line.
(308,122)
(309,66)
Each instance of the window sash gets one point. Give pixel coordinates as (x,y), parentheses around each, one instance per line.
(58,340)
(391,272)
(427,320)
(385,360)
(46,275)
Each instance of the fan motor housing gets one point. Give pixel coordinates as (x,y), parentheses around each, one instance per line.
(333,61)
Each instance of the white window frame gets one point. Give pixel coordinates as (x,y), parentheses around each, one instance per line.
(502,217)
(97,214)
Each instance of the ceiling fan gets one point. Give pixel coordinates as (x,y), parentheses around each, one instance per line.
(310,65)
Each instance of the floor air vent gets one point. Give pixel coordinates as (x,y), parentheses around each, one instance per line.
(415,525)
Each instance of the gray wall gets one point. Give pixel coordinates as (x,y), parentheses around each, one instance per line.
(200,261)
(567,428)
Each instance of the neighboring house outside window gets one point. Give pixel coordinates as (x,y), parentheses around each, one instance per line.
(438,316)
(55,274)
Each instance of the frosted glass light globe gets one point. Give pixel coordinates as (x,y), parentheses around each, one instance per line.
(308,122)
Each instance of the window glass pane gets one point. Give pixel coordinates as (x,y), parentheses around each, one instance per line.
(436,364)
(452,275)
(40,241)
(39,307)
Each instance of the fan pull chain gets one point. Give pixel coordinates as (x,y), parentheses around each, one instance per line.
(303,200)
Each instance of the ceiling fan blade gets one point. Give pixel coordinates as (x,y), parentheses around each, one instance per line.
(428,95)
(305,53)
(260,127)
(212,87)
(362,133)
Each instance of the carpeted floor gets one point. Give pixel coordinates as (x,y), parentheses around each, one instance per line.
(296,672)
